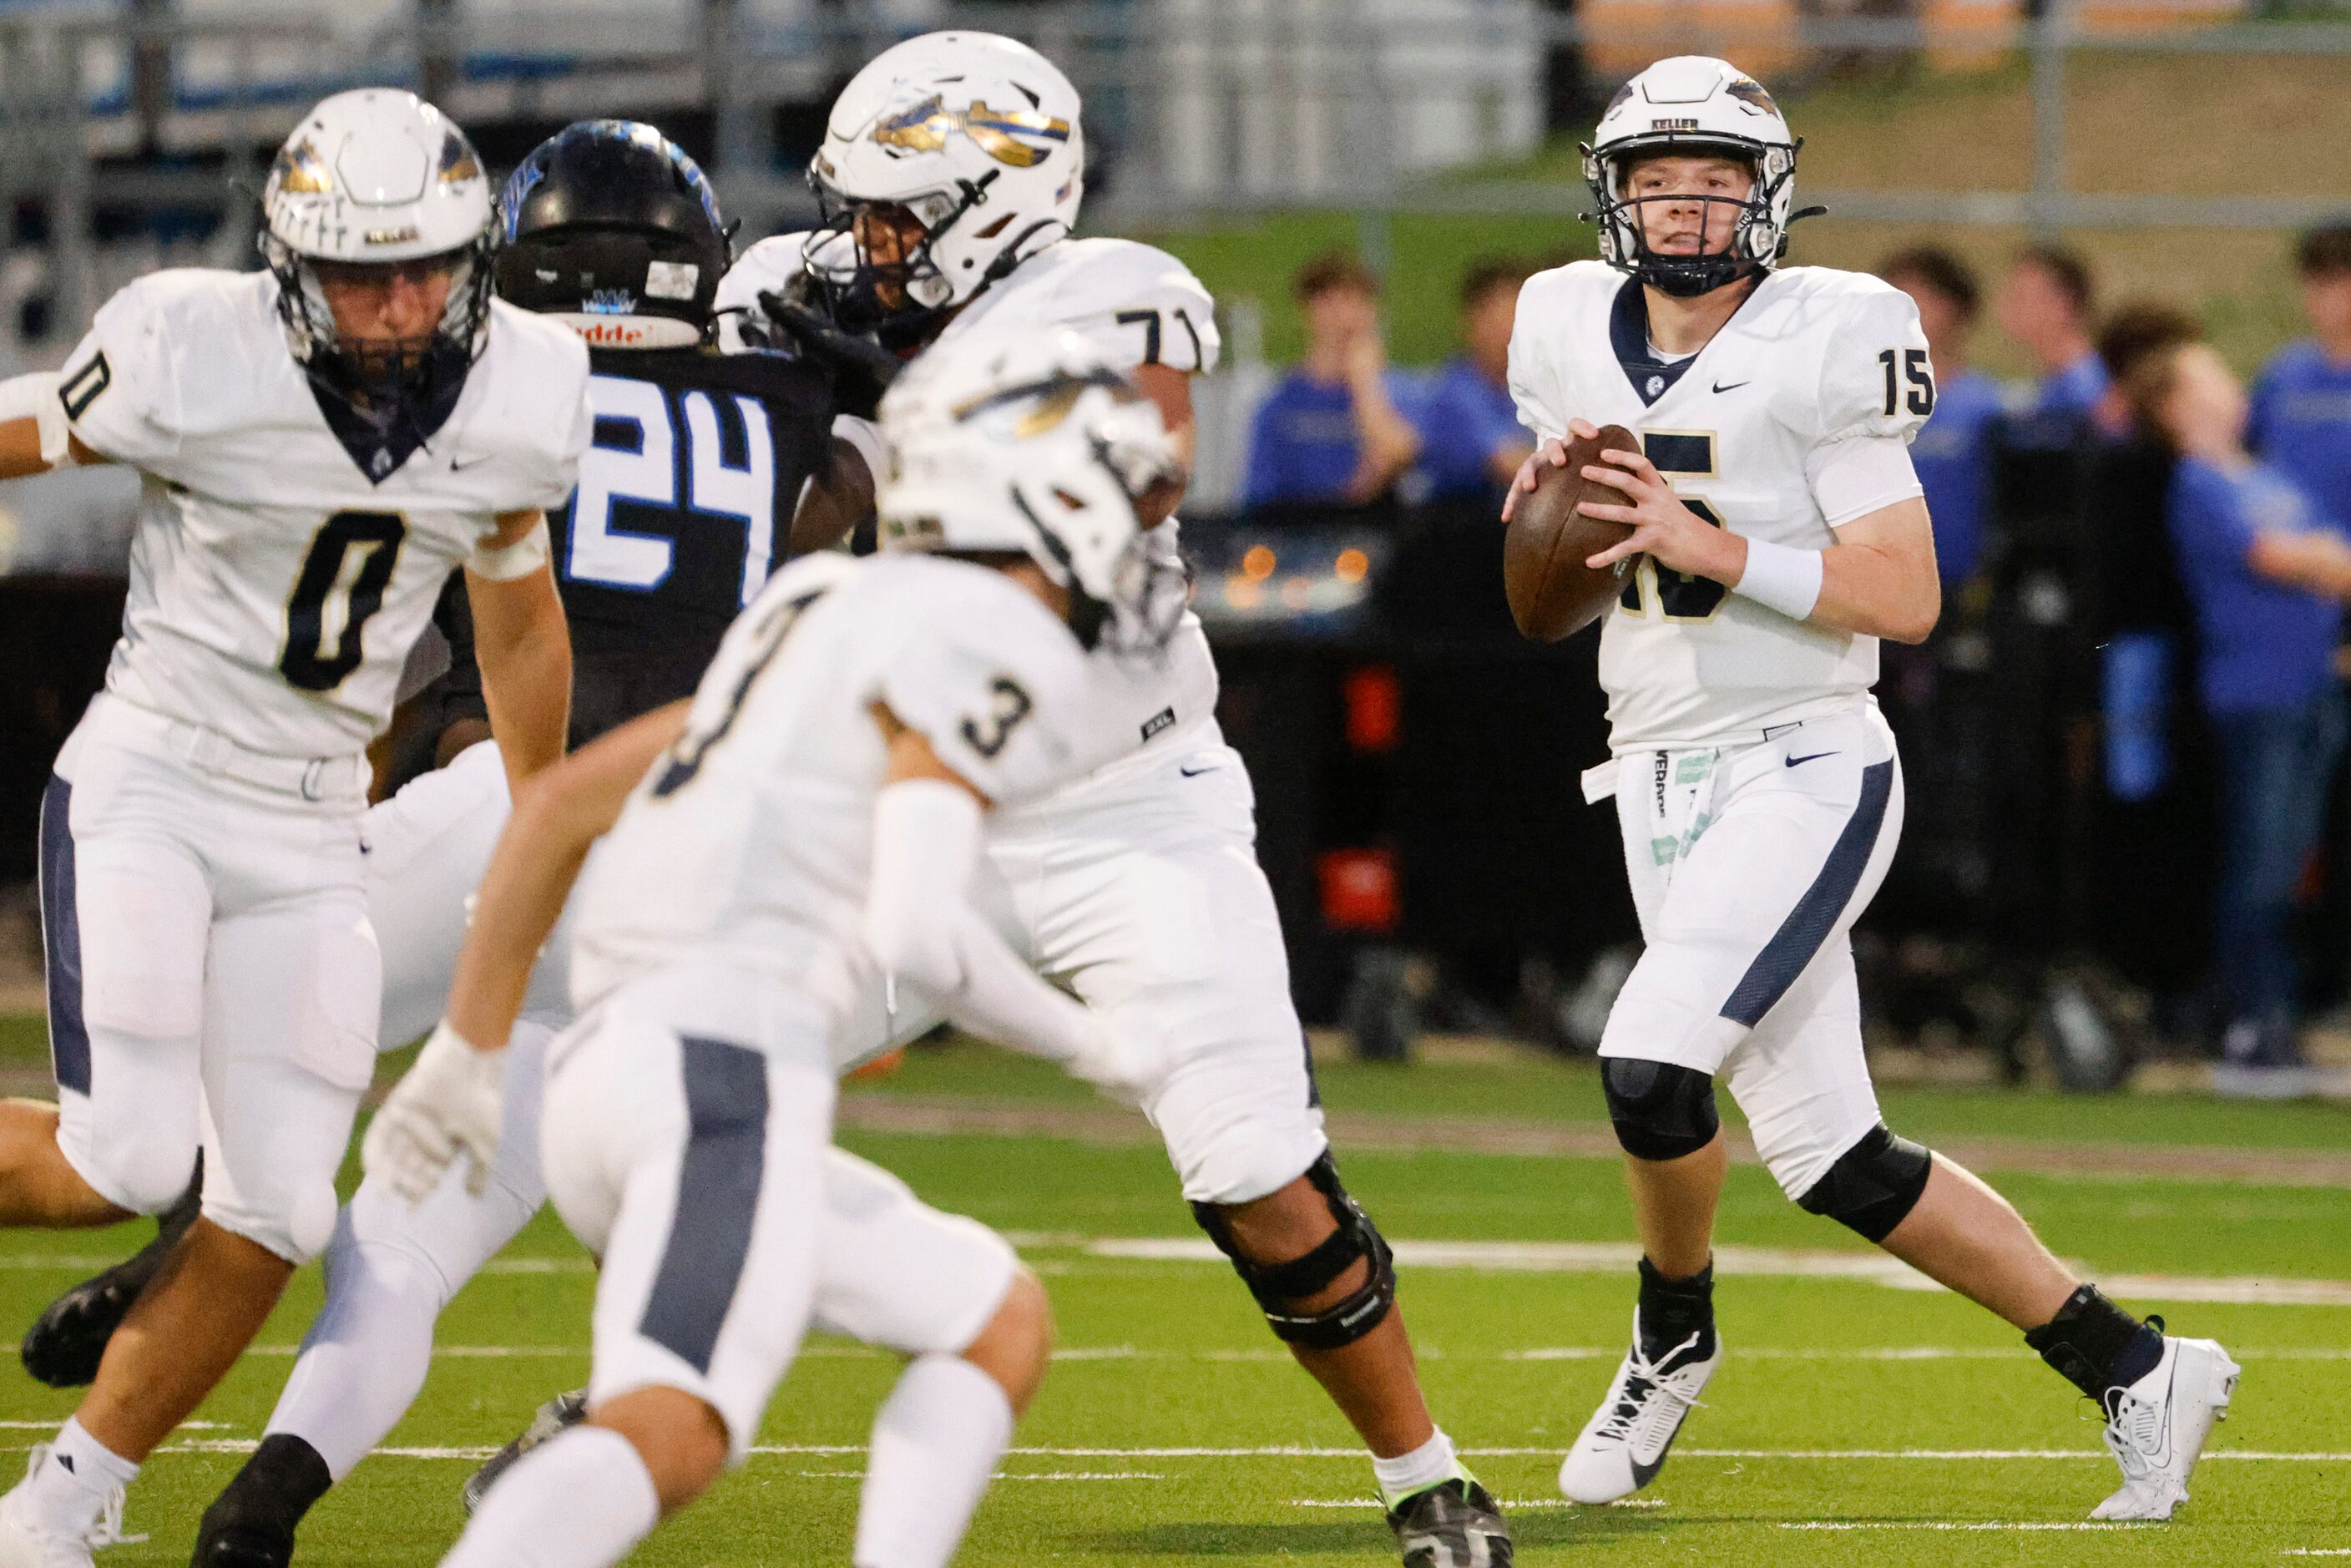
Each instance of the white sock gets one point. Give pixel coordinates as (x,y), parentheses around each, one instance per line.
(582,1501)
(936,1444)
(1431,1464)
(69,1491)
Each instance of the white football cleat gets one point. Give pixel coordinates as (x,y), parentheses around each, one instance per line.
(2157,1426)
(1624,1446)
(27,1544)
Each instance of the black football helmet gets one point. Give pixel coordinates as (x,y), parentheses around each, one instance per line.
(611,228)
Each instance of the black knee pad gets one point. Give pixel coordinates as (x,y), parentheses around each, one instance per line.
(1874,1185)
(1277,1286)
(1661,1111)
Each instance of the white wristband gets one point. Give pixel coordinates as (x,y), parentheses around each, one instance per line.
(35,397)
(520,559)
(1781,578)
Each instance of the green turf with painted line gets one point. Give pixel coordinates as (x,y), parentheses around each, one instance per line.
(1852,1423)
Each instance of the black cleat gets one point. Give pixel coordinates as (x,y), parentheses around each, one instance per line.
(68,1341)
(1454,1524)
(252,1523)
(555,1418)
(243,1546)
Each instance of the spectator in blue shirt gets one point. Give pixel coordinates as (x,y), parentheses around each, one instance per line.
(1330,433)
(2267,572)
(1472,442)
(1953,451)
(2302,400)
(2045,304)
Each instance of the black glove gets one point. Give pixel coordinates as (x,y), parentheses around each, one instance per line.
(862,369)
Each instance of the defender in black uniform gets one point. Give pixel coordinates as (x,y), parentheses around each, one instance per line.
(704,471)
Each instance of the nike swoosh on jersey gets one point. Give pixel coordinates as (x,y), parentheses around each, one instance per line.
(1196,772)
(1732,387)
(1811,756)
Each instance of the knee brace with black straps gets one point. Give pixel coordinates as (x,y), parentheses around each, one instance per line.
(1278,1286)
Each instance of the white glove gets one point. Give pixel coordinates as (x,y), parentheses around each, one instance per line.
(451,1102)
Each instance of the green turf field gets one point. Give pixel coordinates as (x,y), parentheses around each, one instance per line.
(1855,1422)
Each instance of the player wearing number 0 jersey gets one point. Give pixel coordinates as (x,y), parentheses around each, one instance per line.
(1778,533)
(684,508)
(950,177)
(322,443)
(813,819)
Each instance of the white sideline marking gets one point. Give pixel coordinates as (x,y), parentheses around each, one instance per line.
(2314,1551)
(1869,1267)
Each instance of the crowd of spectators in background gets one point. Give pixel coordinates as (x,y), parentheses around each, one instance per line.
(2225,514)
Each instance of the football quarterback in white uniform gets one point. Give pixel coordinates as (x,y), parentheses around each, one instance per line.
(811,819)
(952,171)
(322,443)
(1779,533)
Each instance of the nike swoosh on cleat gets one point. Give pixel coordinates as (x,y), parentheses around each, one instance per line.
(1814,757)
(1644,1474)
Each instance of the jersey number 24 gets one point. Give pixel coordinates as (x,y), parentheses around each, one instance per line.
(742,495)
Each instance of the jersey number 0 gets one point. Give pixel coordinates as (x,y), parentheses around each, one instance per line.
(330,600)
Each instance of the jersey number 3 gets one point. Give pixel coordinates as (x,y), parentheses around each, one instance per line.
(332,603)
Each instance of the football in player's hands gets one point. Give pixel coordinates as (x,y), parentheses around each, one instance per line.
(1552,593)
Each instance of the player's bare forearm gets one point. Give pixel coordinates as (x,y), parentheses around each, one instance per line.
(524,649)
(35,436)
(1171,391)
(537,859)
(1879,577)
(20,449)
(835,502)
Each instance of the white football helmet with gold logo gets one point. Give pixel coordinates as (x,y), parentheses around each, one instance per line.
(973,136)
(1694,105)
(1028,443)
(376,181)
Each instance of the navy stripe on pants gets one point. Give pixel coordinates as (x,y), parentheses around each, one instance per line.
(1808,924)
(61,939)
(717,1201)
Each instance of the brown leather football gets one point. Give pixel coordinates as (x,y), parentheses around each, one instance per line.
(1552,593)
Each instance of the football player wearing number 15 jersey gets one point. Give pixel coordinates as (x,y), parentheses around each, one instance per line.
(1779,533)
(322,443)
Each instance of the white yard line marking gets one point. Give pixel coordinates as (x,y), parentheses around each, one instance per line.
(51,1426)
(1309,1451)
(1513,1504)
(1867,1267)
(1960,1524)
(1539,1257)
(1273,1356)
